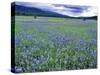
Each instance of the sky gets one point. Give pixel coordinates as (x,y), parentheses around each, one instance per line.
(74,2)
(67,10)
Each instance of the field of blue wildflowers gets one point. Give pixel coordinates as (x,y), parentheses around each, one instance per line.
(54,44)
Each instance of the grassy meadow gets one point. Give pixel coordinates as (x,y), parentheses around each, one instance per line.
(54,44)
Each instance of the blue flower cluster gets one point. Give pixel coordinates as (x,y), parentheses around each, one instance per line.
(39,47)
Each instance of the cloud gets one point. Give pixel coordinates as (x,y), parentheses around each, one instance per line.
(92,11)
(67,10)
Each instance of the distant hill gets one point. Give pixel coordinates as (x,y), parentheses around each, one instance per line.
(26,10)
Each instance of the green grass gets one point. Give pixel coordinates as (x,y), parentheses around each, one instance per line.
(34,43)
